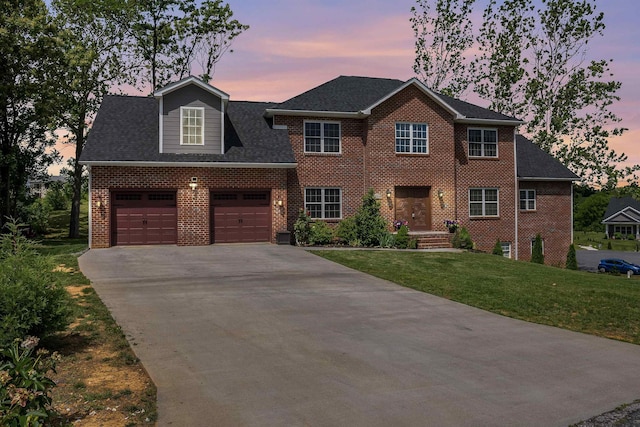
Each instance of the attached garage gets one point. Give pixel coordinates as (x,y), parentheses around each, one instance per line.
(144,218)
(240,216)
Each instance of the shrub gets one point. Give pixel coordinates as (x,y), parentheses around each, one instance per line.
(572,262)
(413,244)
(320,233)
(37,216)
(536,252)
(497,248)
(609,245)
(25,388)
(31,302)
(462,239)
(402,238)
(369,223)
(56,197)
(346,230)
(631,237)
(387,240)
(302,228)
(617,236)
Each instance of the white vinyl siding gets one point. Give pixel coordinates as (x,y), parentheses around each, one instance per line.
(412,138)
(322,137)
(483,142)
(483,202)
(191,126)
(323,203)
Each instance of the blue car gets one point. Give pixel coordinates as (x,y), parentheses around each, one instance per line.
(619,265)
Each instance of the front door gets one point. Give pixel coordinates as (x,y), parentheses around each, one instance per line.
(413,204)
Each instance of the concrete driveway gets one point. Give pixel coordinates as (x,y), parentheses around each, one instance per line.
(255,335)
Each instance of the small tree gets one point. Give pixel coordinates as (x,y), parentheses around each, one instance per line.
(302,228)
(536,255)
(572,262)
(497,248)
(369,223)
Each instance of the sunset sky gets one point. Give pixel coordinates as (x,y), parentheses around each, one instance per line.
(294,45)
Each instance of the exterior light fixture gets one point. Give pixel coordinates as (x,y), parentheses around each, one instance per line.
(388,194)
(193,185)
(440,194)
(98,204)
(279,202)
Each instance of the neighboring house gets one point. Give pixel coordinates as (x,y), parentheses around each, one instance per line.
(191,167)
(622,217)
(38,187)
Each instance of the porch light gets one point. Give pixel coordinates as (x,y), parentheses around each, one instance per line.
(193,185)
(440,194)
(278,203)
(388,194)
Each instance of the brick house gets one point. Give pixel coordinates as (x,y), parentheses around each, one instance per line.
(190,167)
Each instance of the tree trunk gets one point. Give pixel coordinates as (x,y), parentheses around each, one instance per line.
(74,220)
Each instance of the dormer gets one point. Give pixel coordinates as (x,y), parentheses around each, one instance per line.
(191,117)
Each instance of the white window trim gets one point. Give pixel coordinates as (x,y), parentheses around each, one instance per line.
(182,109)
(502,245)
(527,199)
(411,152)
(533,241)
(482,143)
(323,202)
(322,123)
(497,202)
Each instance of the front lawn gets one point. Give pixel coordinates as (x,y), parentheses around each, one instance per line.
(598,304)
(598,241)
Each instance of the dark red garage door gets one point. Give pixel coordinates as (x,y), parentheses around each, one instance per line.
(144,218)
(240,217)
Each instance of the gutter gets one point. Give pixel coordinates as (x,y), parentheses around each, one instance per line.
(193,164)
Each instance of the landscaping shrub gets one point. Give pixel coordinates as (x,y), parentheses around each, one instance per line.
(413,244)
(497,248)
(57,198)
(402,238)
(25,388)
(387,240)
(320,233)
(36,215)
(31,302)
(631,237)
(346,230)
(572,261)
(462,239)
(536,255)
(369,223)
(302,228)
(609,245)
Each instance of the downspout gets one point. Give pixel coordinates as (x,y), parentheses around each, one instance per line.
(90,208)
(571,183)
(517,188)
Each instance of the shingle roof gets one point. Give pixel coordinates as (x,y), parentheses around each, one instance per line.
(126,129)
(617,204)
(353,94)
(535,163)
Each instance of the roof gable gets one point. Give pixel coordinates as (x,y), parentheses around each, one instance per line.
(191,80)
(627,206)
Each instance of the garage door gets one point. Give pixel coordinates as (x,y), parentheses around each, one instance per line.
(240,217)
(144,218)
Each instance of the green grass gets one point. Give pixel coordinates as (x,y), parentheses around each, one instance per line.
(598,241)
(56,242)
(598,304)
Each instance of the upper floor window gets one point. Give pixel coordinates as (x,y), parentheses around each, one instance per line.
(527,200)
(321,137)
(483,202)
(192,126)
(483,142)
(323,203)
(412,138)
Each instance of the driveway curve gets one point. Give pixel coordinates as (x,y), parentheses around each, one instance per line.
(254,335)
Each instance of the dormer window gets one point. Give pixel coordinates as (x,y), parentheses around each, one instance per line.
(192,128)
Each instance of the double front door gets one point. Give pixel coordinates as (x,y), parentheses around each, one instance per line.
(413,204)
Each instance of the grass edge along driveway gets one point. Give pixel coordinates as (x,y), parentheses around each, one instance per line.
(597,304)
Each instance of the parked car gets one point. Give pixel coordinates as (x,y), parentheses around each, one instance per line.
(619,265)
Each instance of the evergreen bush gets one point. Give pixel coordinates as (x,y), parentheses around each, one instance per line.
(369,222)
(536,255)
(572,261)
(346,231)
(402,238)
(497,248)
(320,233)
(302,228)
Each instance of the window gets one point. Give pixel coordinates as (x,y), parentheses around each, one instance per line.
(483,202)
(321,137)
(412,138)
(192,128)
(527,200)
(323,203)
(483,143)
(623,229)
(506,249)
(533,242)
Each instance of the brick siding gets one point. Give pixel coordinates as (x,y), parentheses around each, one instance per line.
(193,206)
